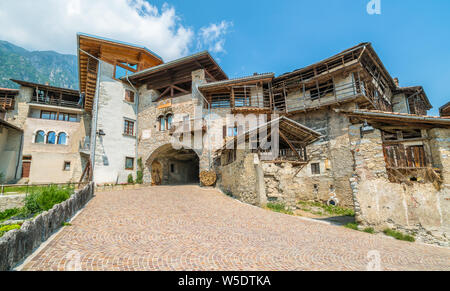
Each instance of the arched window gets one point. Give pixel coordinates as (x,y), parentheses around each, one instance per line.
(62,138)
(169,121)
(51,137)
(162,123)
(40,137)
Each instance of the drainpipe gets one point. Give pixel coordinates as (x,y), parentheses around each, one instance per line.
(19,156)
(137,119)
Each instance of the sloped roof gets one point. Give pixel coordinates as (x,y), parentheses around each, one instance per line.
(258,77)
(199,60)
(397,117)
(292,129)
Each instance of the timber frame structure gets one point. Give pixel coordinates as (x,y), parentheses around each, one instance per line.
(128,57)
(405,141)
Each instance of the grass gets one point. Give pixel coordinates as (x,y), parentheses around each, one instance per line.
(353,226)
(28,189)
(279,207)
(5,228)
(66,224)
(369,230)
(327,209)
(398,235)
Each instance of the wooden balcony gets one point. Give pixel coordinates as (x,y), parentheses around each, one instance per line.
(56,102)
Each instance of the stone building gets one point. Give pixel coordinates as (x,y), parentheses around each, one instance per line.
(341,131)
(54,125)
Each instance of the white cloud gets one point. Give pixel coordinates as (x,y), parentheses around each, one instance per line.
(53,24)
(212,37)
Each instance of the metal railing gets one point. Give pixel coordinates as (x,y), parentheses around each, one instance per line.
(56,102)
(20,189)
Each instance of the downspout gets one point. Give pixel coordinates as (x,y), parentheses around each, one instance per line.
(19,157)
(137,119)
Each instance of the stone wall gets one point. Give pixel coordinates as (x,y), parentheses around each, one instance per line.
(332,153)
(11,201)
(240,178)
(418,209)
(16,245)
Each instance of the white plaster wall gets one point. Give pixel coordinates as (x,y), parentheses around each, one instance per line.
(9,153)
(112,149)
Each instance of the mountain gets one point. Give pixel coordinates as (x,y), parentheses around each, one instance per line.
(38,67)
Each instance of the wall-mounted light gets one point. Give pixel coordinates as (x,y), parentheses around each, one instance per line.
(366,128)
(101,132)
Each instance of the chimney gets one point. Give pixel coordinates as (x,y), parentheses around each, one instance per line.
(47,83)
(397,83)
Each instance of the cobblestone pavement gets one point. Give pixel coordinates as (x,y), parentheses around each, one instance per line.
(188,228)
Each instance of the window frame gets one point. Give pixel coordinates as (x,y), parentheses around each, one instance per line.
(130,96)
(126,127)
(126,160)
(315,169)
(48,136)
(36,136)
(64,166)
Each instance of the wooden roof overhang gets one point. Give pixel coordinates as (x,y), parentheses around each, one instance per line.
(179,71)
(113,52)
(290,132)
(382,119)
(226,85)
(48,88)
(346,60)
(416,90)
(445,110)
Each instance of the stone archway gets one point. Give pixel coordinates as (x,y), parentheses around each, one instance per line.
(169,166)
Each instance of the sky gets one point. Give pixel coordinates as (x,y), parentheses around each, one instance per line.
(412,37)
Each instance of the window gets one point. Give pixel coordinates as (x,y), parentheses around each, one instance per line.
(172,168)
(129,128)
(169,121)
(51,137)
(62,138)
(162,123)
(129,96)
(129,163)
(61,116)
(66,166)
(315,168)
(49,115)
(40,137)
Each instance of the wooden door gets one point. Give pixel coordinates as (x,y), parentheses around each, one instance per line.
(26,166)
(157,173)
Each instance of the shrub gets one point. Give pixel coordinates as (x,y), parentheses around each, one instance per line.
(4,229)
(398,235)
(130,179)
(140,172)
(8,213)
(44,199)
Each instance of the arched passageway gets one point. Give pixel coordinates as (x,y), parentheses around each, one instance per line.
(169,166)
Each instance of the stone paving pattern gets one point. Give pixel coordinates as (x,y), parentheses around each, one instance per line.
(193,229)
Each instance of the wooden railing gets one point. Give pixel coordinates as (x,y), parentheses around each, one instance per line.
(6,102)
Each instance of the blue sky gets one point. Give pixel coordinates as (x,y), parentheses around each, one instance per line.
(412,38)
